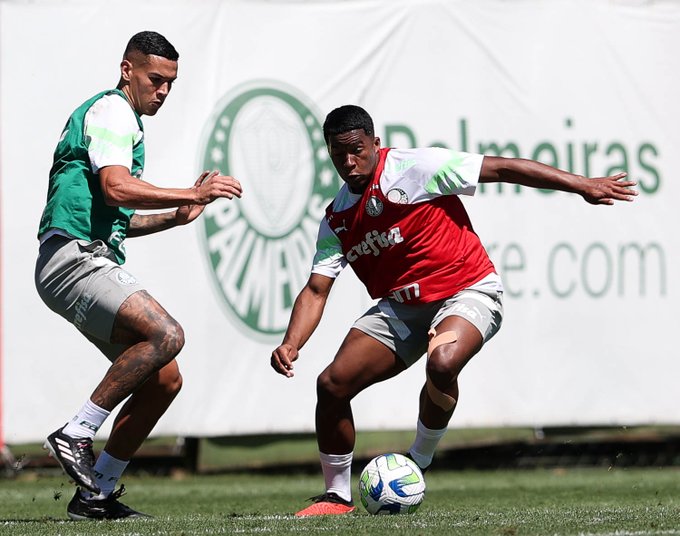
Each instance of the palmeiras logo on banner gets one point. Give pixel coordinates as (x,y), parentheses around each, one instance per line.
(260,247)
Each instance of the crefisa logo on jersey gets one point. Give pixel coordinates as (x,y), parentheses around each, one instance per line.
(260,247)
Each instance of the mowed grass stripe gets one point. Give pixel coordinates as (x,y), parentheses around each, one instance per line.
(570,502)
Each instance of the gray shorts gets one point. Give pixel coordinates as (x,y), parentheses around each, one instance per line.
(403,328)
(81,281)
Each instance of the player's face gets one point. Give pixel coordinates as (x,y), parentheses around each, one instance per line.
(355,156)
(149,80)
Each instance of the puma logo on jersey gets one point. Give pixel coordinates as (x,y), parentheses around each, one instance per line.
(374,243)
(343,227)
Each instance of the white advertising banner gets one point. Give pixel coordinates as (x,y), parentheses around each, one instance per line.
(588,86)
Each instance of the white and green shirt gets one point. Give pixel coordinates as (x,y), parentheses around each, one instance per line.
(103,131)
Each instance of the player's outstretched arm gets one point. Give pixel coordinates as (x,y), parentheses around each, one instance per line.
(307,311)
(597,191)
(120,189)
(145,224)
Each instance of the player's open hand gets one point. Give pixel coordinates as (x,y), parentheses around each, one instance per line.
(606,190)
(282,359)
(212,185)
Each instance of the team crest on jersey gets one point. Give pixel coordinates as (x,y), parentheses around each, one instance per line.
(397,195)
(374,206)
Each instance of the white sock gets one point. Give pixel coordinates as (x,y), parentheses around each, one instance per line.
(107,470)
(336,472)
(424,444)
(87,421)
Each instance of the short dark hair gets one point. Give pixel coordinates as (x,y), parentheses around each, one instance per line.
(346,118)
(151,43)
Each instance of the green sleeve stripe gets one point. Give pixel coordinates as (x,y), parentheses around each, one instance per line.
(446,180)
(328,248)
(328,242)
(103,136)
(323,256)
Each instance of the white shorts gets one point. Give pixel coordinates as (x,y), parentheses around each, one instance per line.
(403,328)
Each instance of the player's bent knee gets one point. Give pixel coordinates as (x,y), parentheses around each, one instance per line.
(170,340)
(441,356)
(438,366)
(174,386)
(170,379)
(327,388)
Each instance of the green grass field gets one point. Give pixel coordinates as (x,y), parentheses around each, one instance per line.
(566,501)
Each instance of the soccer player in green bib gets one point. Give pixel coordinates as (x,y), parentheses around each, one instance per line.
(94,189)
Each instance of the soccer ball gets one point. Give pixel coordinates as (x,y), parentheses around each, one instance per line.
(391,484)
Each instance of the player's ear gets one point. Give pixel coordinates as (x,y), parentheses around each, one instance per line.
(376,142)
(125,70)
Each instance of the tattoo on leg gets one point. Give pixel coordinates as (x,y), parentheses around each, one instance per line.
(155,339)
(125,376)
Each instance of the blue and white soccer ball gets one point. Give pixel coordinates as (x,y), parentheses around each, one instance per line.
(391,484)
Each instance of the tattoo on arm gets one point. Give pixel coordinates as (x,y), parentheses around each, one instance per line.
(145,224)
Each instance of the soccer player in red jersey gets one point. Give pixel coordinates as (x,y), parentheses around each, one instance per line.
(398,222)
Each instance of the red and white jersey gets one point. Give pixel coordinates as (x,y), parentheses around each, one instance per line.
(408,235)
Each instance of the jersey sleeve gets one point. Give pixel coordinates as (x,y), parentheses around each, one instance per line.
(328,259)
(418,175)
(112,130)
